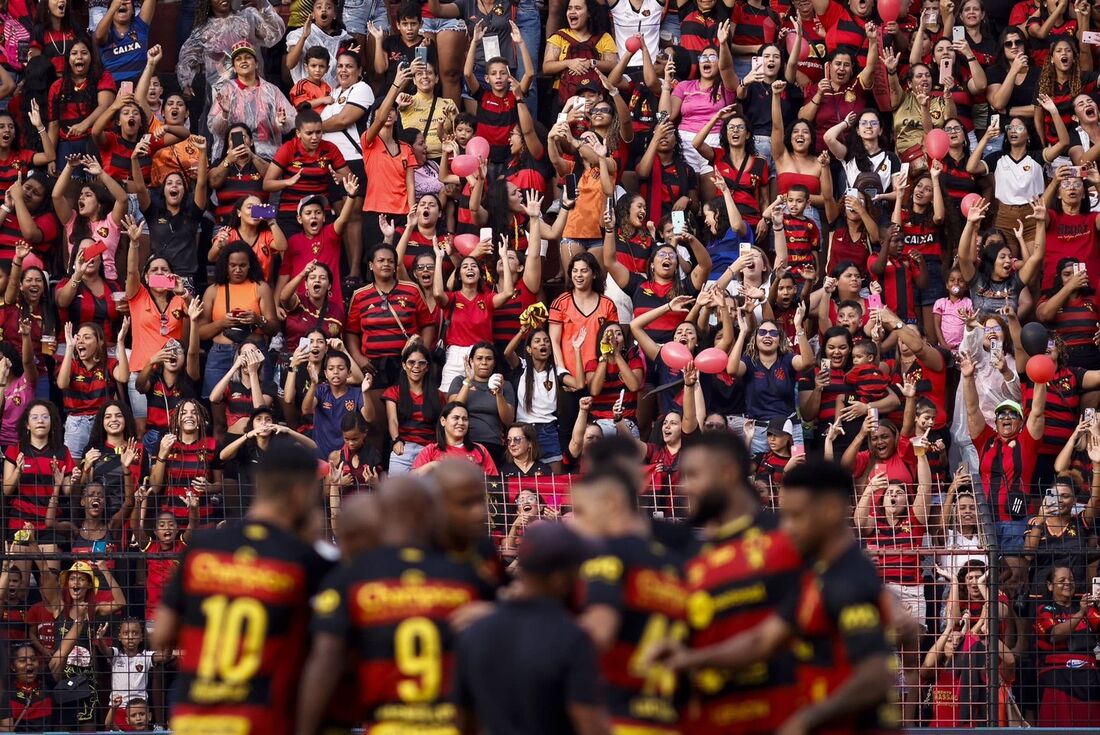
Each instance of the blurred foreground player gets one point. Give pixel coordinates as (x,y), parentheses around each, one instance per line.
(633,599)
(837,615)
(238,606)
(528,667)
(390,606)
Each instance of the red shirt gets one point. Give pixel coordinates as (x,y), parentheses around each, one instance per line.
(1070,236)
(471,319)
(70,107)
(301,250)
(1007,466)
(316,169)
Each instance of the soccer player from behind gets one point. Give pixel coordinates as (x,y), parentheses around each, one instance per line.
(744,569)
(391,606)
(238,606)
(838,611)
(634,598)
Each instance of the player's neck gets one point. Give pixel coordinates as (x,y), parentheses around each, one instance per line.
(836,545)
(273,515)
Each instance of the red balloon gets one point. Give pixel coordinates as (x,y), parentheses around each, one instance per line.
(936,144)
(466,243)
(478,147)
(711,361)
(889,10)
(323,468)
(1040,368)
(675,355)
(803,48)
(969,201)
(633,44)
(464,165)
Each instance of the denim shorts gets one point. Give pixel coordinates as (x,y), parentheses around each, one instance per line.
(442,25)
(587,243)
(1010,536)
(357,13)
(549,442)
(78,431)
(139,403)
(402,464)
(936,289)
(219,361)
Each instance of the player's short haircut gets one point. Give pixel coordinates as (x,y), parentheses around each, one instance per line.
(613,448)
(723,443)
(822,477)
(284,465)
(618,478)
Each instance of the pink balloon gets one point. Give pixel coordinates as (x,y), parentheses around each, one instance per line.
(466,243)
(803,48)
(711,361)
(465,165)
(675,356)
(323,468)
(1040,368)
(936,144)
(969,201)
(889,10)
(478,147)
(633,44)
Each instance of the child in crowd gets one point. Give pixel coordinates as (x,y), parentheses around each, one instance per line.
(949,312)
(312,91)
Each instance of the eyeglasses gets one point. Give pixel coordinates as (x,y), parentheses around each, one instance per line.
(868,123)
(1013,42)
(424,267)
(767,332)
(416,363)
(708,57)
(737,128)
(992,330)
(953,129)
(516,439)
(1016,128)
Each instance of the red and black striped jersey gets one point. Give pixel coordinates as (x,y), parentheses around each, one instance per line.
(666,184)
(1006,467)
(649,295)
(920,233)
(839,616)
(745,183)
(770,468)
(844,29)
(957,182)
(116,153)
(89,388)
(640,580)
(506,317)
(186,462)
(612,384)
(71,102)
(415,427)
(242,595)
(18,162)
(31,706)
(162,398)
(753,26)
(371,316)
(836,387)
(699,30)
(633,252)
(899,286)
(931,384)
(32,495)
(1076,322)
(867,384)
(496,116)
(897,547)
(1063,407)
(10,234)
(736,581)
(240,183)
(87,307)
(803,243)
(391,606)
(316,170)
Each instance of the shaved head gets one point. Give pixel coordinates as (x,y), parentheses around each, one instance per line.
(461,495)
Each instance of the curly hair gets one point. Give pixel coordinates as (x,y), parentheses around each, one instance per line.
(174,417)
(1048,78)
(784,346)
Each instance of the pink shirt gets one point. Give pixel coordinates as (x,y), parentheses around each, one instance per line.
(105,230)
(697,108)
(952,326)
(16,397)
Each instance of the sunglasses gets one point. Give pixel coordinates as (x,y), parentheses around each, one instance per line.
(416,363)
(868,123)
(768,332)
(1007,415)
(601,110)
(428,266)
(708,57)
(1013,43)
(516,439)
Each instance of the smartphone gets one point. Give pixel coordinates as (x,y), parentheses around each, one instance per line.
(1092,38)
(874,301)
(125,88)
(1090,414)
(173,344)
(571,187)
(1095,587)
(1074,172)
(1050,500)
(746,248)
(263,211)
(622,395)
(931,18)
(826,366)
(756,61)
(904,171)
(490,46)
(421,53)
(156,280)
(96,248)
(797,451)
(303,344)
(994,345)
(609,207)
(946,65)
(995,120)
(662,115)
(23,51)
(236,139)
(958,33)
(873,413)
(677,222)
(486,234)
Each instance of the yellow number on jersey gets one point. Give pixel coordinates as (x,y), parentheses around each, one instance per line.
(418,652)
(659,681)
(233,642)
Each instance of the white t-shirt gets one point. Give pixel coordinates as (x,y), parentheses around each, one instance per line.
(646,20)
(347,140)
(544,402)
(130,674)
(317,37)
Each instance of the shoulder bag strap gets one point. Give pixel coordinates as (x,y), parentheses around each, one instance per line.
(386,298)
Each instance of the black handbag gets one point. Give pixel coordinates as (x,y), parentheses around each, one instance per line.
(236,334)
(72,689)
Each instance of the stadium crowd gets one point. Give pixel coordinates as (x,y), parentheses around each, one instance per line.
(537,239)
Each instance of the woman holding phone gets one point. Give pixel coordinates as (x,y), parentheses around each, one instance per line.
(252,224)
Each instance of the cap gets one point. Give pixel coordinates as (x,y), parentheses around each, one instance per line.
(781,425)
(1011,405)
(261,410)
(314,199)
(550,547)
(589,86)
(79,567)
(242,47)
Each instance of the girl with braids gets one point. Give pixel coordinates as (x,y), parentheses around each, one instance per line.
(76,100)
(355,467)
(100,207)
(412,409)
(695,101)
(113,434)
(669,183)
(539,387)
(54,32)
(89,378)
(184,464)
(735,160)
(1062,79)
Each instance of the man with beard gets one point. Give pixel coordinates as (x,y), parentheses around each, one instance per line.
(837,610)
(634,598)
(744,569)
(238,606)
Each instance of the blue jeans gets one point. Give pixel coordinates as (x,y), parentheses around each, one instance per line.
(530,28)
(764,149)
(549,442)
(78,430)
(401,464)
(357,13)
(219,360)
(185,23)
(1010,536)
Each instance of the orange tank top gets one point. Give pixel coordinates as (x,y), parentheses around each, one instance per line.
(244,296)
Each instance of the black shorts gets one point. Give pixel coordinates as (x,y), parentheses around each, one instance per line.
(385,371)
